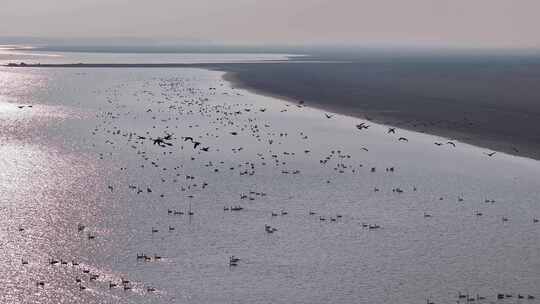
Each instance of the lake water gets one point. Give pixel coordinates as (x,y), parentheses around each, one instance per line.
(451,219)
(10,55)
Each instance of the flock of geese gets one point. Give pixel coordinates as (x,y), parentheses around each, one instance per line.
(467,298)
(167,138)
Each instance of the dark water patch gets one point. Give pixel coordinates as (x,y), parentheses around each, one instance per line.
(491,102)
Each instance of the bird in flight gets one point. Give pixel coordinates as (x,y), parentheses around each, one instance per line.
(362,126)
(451,143)
(392,130)
(490,154)
(161,142)
(403,139)
(328,115)
(438,144)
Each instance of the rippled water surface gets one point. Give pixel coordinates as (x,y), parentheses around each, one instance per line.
(29,56)
(85,190)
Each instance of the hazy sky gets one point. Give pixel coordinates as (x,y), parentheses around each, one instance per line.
(475,23)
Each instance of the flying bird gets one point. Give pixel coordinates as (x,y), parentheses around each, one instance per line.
(161,142)
(362,126)
(403,139)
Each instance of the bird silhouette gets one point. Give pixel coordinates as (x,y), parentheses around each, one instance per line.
(362,126)
(161,142)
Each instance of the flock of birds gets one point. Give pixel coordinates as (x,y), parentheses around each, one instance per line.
(160,145)
(467,298)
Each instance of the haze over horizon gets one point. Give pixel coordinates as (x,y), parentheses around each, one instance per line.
(476,24)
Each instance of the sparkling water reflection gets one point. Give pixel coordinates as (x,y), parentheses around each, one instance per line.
(83,196)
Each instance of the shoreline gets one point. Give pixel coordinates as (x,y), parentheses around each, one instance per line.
(237,74)
(484,134)
(235,80)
